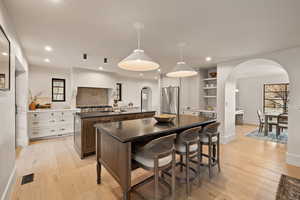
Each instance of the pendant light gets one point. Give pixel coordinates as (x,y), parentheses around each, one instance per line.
(138,60)
(181,69)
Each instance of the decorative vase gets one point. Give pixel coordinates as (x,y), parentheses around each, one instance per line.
(32,106)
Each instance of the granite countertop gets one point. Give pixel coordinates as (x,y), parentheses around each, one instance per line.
(135,130)
(107,114)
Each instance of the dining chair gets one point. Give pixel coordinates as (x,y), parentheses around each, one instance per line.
(262,121)
(282,123)
(155,156)
(210,137)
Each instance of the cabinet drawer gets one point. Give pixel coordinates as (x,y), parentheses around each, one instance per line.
(43,132)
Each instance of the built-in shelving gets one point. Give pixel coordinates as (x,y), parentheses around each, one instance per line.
(210,96)
(209,88)
(210,79)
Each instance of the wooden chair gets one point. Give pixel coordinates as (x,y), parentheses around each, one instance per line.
(157,155)
(282,123)
(261,119)
(211,138)
(187,145)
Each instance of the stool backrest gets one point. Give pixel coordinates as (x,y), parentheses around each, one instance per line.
(283,119)
(260,116)
(189,136)
(159,147)
(211,129)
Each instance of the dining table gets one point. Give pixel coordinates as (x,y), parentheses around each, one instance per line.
(117,141)
(268,117)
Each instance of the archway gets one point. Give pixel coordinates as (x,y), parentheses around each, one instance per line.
(248,69)
(146,98)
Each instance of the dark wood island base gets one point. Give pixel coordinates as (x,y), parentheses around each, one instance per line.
(116,141)
(84,130)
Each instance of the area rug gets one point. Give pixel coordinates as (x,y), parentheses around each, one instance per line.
(282,139)
(288,189)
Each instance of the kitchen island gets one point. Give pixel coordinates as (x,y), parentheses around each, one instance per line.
(84,130)
(116,141)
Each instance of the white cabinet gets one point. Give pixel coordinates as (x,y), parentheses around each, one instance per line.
(47,123)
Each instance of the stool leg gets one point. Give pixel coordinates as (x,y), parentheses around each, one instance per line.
(218,153)
(199,162)
(156,174)
(214,151)
(201,149)
(181,161)
(187,170)
(209,158)
(173,175)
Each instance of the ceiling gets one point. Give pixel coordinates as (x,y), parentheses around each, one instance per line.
(224,30)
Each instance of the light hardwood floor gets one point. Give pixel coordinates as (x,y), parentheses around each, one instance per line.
(251,169)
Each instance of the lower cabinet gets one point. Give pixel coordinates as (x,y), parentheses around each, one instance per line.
(85,133)
(44,124)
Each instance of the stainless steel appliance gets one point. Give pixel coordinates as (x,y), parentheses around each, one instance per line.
(170,100)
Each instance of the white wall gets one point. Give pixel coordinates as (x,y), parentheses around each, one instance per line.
(40,81)
(131,90)
(7,109)
(250,96)
(289,59)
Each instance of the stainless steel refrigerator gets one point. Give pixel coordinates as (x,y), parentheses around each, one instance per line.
(170,100)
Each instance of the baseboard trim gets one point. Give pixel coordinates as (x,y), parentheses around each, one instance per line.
(8,189)
(227,139)
(23,142)
(293,159)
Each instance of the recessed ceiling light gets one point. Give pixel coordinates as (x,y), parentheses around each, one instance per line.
(208,59)
(100,68)
(48,48)
(158,70)
(4,54)
(141,74)
(47,60)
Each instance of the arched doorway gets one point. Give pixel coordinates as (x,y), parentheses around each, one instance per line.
(251,68)
(146,98)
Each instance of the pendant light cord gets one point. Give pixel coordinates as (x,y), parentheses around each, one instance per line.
(138,26)
(181,53)
(180,46)
(139,38)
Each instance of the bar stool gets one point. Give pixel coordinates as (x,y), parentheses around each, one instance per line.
(187,144)
(211,138)
(157,155)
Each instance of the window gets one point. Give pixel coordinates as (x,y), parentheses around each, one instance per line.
(276,97)
(119,91)
(58,90)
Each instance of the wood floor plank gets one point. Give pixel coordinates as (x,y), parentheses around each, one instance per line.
(251,170)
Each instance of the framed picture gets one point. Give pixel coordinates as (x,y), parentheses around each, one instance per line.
(58,90)
(4,61)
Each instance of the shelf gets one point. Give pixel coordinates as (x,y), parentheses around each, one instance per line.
(210,96)
(210,79)
(209,88)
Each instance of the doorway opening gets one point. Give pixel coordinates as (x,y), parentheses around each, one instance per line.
(258,88)
(146,98)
